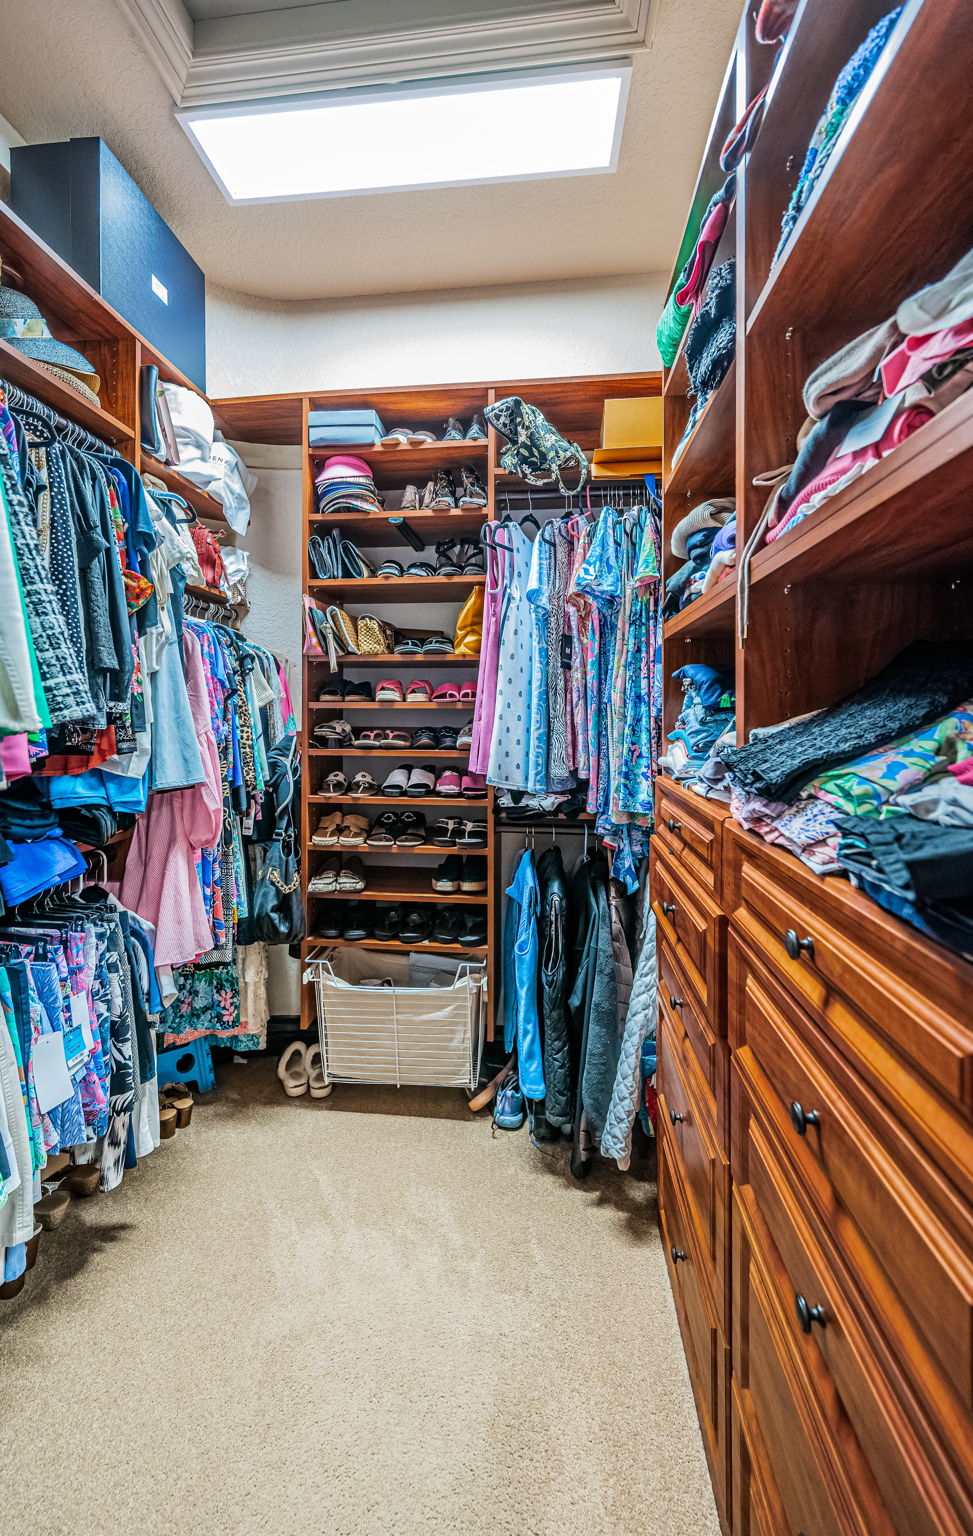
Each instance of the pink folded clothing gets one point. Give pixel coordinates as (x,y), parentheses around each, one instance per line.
(709,239)
(963,771)
(917,354)
(15,756)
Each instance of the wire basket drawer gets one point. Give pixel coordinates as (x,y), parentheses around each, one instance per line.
(379,1023)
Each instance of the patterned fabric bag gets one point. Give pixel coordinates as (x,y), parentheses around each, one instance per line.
(537,453)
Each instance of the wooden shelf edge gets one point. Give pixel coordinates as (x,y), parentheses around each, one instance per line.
(713,613)
(396,947)
(28,375)
(721,403)
(416,801)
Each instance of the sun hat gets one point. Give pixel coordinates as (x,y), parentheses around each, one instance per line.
(344,466)
(708,514)
(73,381)
(23,326)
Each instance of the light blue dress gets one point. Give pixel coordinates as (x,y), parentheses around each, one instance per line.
(509,765)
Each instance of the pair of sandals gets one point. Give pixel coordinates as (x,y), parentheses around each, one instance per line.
(420,691)
(340,830)
(407,643)
(343,735)
(301,1071)
(341,689)
(362,786)
(458,559)
(346,878)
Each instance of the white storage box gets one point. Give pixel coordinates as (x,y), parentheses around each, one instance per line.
(396,1018)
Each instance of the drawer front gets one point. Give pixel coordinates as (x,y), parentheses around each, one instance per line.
(820,1475)
(692,830)
(688,1129)
(677,998)
(757,1507)
(896,1005)
(903,1231)
(862,1395)
(707,1356)
(695,928)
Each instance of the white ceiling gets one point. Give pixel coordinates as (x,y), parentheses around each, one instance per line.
(80,67)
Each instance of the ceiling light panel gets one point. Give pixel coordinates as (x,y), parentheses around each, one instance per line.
(500,128)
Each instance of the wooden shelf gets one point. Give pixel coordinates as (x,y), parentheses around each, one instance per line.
(417,802)
(399,589)
(395,947)
(386,852)
(30,376)
(906,517)
(399,885)
(705,467)
(202,503)
(371,528)
(208,595)
(390,659)
(712,614)
(341,706)
(399,752)
(409,466)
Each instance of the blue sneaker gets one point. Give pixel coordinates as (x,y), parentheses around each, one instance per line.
(508,1107)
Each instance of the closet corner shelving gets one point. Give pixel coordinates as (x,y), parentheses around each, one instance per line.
(754,1206)
(575,405)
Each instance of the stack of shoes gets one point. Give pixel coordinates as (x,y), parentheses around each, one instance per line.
(444,494)
(345,483)
(411,924)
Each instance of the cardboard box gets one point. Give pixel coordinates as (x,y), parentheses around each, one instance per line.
(630,429)
(626,469)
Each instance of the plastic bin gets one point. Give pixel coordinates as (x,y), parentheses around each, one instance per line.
(405,1019)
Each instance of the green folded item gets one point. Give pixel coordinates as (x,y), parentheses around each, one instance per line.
(671,327)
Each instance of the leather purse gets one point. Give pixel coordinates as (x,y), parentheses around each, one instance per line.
(345,629)
(209,555)
(469,625)
(277,914)
(374,637)
(322,556)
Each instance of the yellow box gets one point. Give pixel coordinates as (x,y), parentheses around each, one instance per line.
(626,469)
(631,429)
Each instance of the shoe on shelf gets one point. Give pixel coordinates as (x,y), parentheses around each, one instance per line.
(420,568)
(363,786)
(447,925)
(446,876)
(292,1070)
(333,691)
(327,831)
(410,499)
(428,492)
(422,780)
(388,920)
(420,438)
(416,925)
(397,438)
(396,740)
(472,834)
(358,921)
(508,1106)
(371,736)
(335,784)
(351,877)
(383,830)
(411,831)
(389,691)
(419,691)
(397,782)
(354,830)
(474,786)
(464,738)
(448,783)
(476,431)
(472,491)
(424,736)
(474,930)
(453,431)
(446,561)
(467,692)
(472,880)
(330,919)
(446,738)
(469,557)
(326,879)
(390,568)
(317,1083)
(446,693)
(358,693)
(445,834)
(333,733)
(443,492)
(437,644)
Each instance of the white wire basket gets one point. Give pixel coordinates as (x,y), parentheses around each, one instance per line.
(404,1019)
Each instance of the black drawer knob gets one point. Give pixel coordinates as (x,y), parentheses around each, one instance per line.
(675,1002)
(678,1257)
(676,1117)
(668,909)
(794,945)
(807,1315)
(673,825)
(801,1118)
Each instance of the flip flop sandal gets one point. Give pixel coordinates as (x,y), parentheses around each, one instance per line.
(384,829)
(419,691)
(437,645)
(178,1097)
(371,738)
(389,568)
(363,784)
(424,738)
(335,784)
(448,783)
(353,832)
(445,832)
(406,646)
(446,693)
(352,876)
(473,834)
(411,831)
(389,691)
(400,739)
(359,692)
(326,832)
(398,780)
(398,438)
(467,693)
(422,781)
(421,568)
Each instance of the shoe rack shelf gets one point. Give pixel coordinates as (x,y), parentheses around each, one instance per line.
(401,885)
(437,752)
(386,853)
(575,405)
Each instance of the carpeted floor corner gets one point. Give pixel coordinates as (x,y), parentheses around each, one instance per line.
(367,1316)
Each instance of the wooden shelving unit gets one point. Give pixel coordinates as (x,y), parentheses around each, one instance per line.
(850,1419)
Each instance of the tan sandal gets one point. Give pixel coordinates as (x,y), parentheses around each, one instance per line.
(168,1121)
(82,1179)
(178,1097)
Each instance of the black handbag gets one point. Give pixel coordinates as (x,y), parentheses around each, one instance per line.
(278,915)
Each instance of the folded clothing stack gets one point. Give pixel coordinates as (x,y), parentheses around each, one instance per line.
(710,345)
(879,786)
(704,728)
(345,483)
(706,540)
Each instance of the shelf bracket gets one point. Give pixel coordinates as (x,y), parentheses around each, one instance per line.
(405,528)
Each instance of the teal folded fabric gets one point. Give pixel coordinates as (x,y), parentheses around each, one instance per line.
(672,327)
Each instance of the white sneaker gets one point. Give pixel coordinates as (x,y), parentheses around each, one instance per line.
(292,1070)
(320,1088)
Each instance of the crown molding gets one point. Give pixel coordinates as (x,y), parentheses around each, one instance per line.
(165,27)
(232,67)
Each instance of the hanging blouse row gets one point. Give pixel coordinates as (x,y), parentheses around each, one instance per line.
(570,676)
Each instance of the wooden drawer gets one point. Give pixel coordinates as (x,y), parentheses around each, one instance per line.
(707,1356)
(678,999)
(899,1228)
(691,829)
(805,1451)
(861,1396)
(689,1131)
(756,1504)
(894,1004)
(695,927)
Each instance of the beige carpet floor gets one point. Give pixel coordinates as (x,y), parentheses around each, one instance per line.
(358,1317)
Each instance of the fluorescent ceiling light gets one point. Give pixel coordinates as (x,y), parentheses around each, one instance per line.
(499,128)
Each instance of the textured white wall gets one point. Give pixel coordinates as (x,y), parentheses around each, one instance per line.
(537,330)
